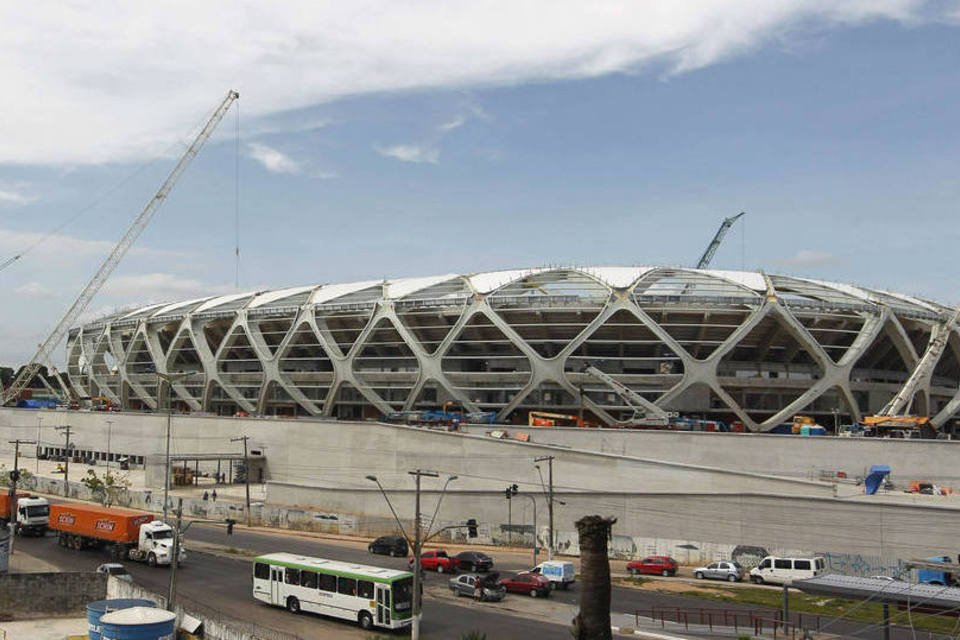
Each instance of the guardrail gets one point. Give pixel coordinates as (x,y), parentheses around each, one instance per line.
(757,622)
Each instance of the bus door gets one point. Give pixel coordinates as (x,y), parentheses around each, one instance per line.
(383,604)
(276,583)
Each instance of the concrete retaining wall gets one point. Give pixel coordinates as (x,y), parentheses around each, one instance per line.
(50,593)
(783,455)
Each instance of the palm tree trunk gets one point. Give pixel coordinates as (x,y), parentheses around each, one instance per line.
(593,621)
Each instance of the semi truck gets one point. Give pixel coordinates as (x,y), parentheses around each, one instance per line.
(31,513)
(126,533)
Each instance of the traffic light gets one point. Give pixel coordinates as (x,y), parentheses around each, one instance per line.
(472,528)
(14,475)
(230,522)
(510,491)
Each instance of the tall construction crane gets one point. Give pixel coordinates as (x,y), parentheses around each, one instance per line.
(86,295)
(707,256)
(644,412)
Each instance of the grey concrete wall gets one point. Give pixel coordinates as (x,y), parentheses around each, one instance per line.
(341,454)
(783,455)
(50,593)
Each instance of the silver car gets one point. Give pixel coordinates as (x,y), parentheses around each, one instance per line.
(490,587)
(729,571)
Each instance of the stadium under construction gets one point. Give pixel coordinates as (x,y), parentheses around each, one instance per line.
(733,346)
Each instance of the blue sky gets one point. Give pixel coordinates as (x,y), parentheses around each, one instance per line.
(480,139)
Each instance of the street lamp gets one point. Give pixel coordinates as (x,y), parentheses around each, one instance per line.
(39,424)
(534,501)
(169,378)
(109,431)
(418,538)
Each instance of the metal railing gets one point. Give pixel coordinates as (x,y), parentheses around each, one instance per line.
(757,622)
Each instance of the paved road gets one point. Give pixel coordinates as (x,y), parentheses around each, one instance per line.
(223,583)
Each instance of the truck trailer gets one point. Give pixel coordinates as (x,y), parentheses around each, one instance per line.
(31,513)
(126,533)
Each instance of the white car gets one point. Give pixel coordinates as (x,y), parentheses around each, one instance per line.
(116,570)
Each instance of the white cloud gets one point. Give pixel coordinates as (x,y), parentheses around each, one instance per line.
(58,249)
(9,197)
(411,153)
(159,287)
(91,82)
(456,123)
(809,258)
(35,290)
(273,160)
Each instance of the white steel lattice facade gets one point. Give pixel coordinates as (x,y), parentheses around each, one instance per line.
(721,344)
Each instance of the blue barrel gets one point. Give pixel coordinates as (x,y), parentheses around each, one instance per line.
(96,610)
(138,623)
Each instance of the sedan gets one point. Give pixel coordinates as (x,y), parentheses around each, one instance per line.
(527,583)
(490,588)
(116,570)
(653,565)
(729,571)
(476,561)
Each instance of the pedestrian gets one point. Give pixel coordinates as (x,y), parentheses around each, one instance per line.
(214,495)
(206,496)
(477,590)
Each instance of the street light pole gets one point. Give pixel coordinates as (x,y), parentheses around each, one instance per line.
(14,476)
(550,542)
(417,539)
(169,378)
(109,431)
(66,464)
(246,472)
(534,501)
(39,424)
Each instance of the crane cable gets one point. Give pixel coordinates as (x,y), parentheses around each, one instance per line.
(179,144)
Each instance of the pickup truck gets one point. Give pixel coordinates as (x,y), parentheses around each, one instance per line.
(437,561)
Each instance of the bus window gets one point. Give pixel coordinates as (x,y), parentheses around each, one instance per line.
(347,586)
(328,582)
(292,576)
(261,571)
(308,579)
(365,589)
(403,594)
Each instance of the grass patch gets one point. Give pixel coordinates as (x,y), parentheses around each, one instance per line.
(238,552)
(635,581)
(825,606)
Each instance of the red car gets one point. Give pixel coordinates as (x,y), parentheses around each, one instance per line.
(437,561)
(528,583)
(655,565)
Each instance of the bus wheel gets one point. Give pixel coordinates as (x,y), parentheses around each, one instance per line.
(365,620)
(293,605)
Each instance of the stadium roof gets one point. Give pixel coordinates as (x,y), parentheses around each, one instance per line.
(672,281)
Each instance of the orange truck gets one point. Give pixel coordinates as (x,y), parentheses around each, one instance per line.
(5,504)
(127,533)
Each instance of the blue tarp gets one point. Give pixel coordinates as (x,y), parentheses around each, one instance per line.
(875,478)
(36,404)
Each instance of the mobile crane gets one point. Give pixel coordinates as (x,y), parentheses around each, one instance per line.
(12,393)
(645,413)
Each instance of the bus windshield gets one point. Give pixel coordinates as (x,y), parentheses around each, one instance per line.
(403,594)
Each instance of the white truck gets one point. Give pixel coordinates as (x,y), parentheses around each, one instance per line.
(28,512)
(561,574)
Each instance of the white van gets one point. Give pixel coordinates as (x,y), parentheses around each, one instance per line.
(777,570)
(560,574)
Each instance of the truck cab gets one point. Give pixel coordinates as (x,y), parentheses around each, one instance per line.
(155,544)
(33,515)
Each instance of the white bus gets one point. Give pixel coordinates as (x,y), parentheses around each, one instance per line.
(369,596)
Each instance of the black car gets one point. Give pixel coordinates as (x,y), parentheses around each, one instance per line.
(474,561)
(395,546)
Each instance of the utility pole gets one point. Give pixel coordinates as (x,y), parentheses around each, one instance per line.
(550,542)
(39,424)
(109,431)
(172,590)
(66,465)
(14,476)
(169,378)
(417,543)
(246,474)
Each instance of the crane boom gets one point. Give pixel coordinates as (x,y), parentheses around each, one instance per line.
(707,256)
(936,345)
(643,409)
(121,248)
